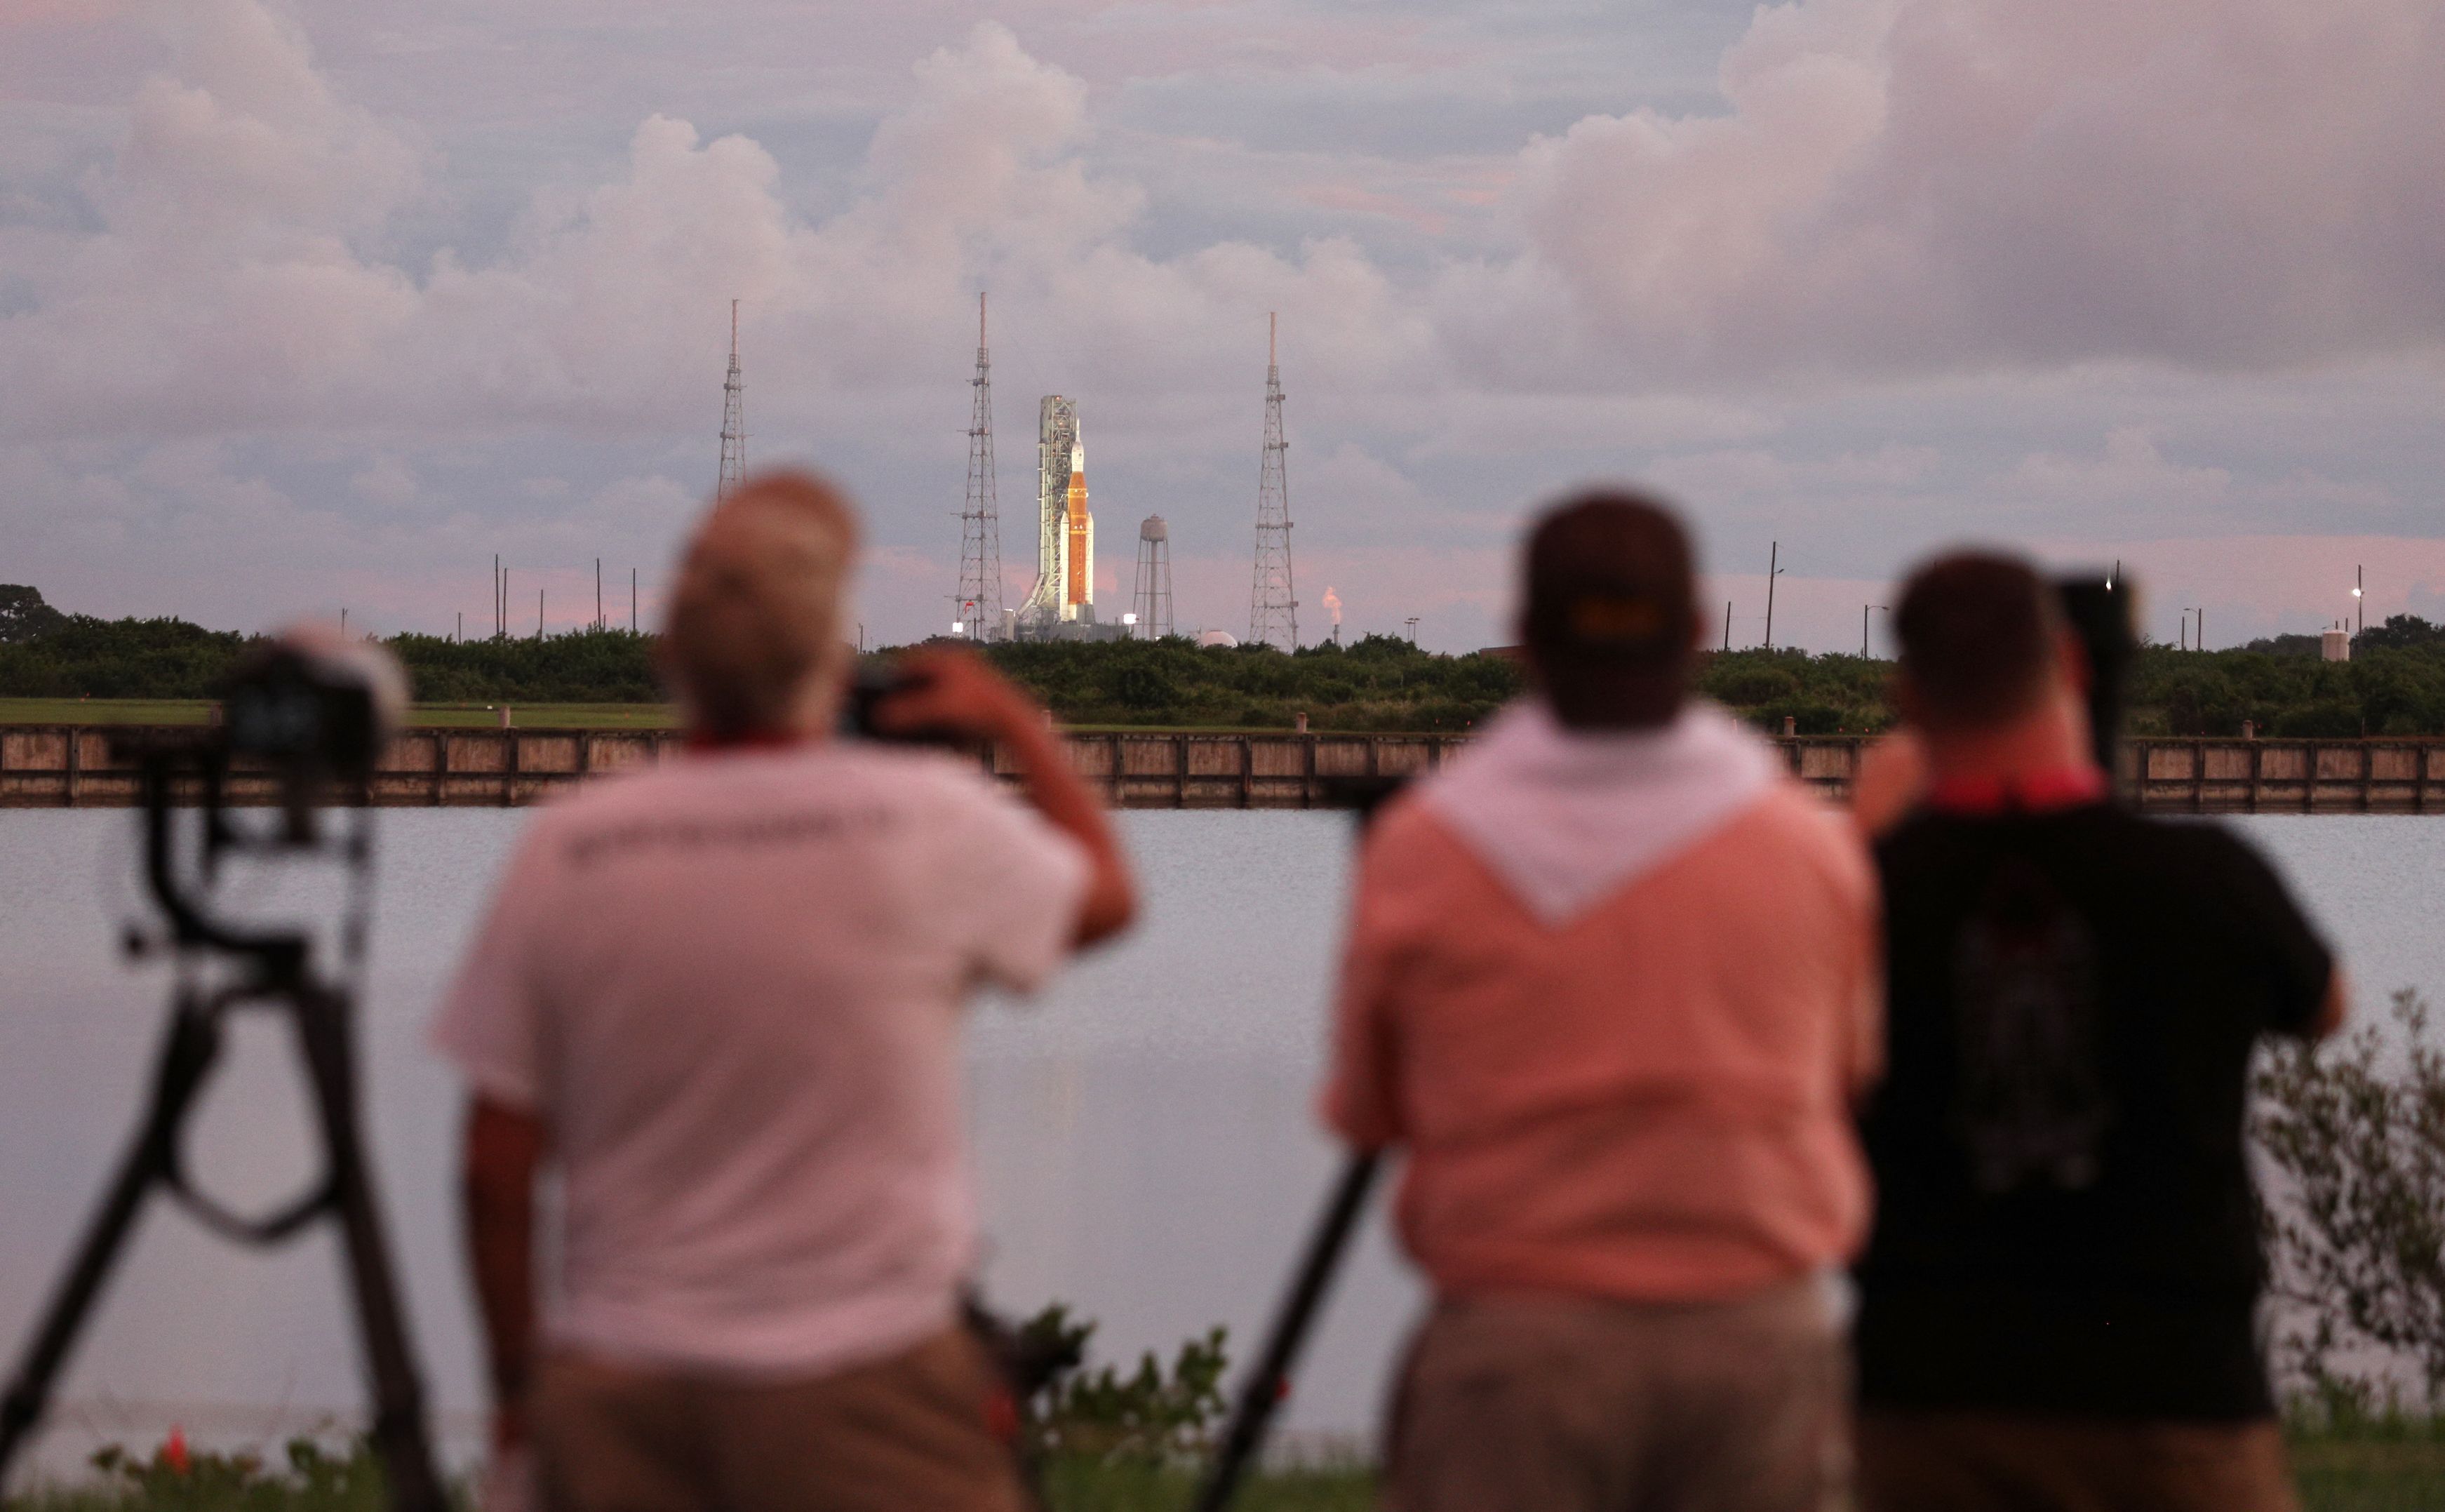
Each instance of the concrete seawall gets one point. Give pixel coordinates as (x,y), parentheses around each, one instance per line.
(89,766)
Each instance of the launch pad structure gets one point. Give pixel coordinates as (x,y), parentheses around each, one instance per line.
(1061,604)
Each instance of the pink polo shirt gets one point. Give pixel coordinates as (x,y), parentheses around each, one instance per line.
(1651,1100)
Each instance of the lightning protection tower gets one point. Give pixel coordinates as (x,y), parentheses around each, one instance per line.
(1153,601)
(979,600)
(1273,608)
(734,422)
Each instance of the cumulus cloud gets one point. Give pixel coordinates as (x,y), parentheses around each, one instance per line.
(1895,185)
(215,336)
(1929,184)
(235,284)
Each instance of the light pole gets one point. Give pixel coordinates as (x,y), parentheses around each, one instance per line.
(1413,624)
(2199,630)
(1774,553)
(1863,627)
(2359,601)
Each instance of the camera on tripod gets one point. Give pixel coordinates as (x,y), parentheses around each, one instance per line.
(308,708)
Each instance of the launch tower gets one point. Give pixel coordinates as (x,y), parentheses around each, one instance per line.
(1273,608)
(978,606)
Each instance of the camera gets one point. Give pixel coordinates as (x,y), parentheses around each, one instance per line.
(310,705)
(2098,611)
(872,683)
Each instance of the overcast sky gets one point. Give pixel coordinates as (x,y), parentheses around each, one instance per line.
(313,303)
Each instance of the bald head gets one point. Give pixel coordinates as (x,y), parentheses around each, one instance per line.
(1608,613)
(753,634)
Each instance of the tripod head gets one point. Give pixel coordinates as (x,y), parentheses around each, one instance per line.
(313,711)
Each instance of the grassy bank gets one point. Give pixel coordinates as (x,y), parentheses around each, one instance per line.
(2358,1471)
(332,1483)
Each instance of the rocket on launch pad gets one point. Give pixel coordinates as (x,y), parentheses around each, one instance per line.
(1065,545)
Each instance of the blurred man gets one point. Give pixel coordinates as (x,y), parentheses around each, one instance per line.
(1612,984)
(2057,1304)
(721,1001)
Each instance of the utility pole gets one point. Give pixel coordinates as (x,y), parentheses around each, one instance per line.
(344,623)
(1412,625)
(1273,605)
(538,614)
(632,601)
(598,592)
(460,634)
(734,422)
(979,606)
(1728,625)
(2359,601)
(1774,554)
(2202,627)
(1863,627)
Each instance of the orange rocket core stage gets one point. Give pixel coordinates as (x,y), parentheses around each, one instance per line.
(1077,591)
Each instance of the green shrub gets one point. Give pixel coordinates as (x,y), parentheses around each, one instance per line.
(2358,1229)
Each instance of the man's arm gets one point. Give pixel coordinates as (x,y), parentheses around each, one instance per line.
(503,1151)
(956,693)
(1361,1100)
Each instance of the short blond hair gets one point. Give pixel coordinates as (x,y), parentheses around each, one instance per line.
(755,615)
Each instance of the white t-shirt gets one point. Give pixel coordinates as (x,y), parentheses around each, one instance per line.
(730,989)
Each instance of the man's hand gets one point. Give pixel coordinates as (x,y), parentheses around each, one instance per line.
(952,692)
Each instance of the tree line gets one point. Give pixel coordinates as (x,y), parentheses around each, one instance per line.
(2394,684)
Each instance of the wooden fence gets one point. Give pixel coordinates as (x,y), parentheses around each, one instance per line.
(87,766)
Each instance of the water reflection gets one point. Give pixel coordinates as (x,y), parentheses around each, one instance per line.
(1143,1130)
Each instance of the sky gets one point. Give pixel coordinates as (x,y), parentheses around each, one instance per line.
(318,304)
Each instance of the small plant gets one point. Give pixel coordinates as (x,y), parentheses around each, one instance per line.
(1152,1415)
(2359,1243)
(175,1476)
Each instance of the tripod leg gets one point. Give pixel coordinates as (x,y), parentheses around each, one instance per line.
(1262,1393)
(185,1057)
(399,1428)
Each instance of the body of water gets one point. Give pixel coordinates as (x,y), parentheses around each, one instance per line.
(1144,1130)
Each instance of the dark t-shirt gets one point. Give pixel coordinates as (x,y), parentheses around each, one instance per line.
(2065,1221)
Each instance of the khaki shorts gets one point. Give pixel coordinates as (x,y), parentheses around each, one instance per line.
(905,1433)
(1998,1461)
(1551,1404)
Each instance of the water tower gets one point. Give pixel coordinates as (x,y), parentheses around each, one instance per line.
(1152,602)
